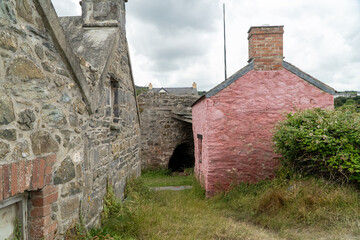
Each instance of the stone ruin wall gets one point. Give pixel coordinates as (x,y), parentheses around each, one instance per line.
(50,145)
(160,132)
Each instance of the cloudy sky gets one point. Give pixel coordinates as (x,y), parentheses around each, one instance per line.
(174,43)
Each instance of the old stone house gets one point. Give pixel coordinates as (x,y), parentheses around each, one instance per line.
(69,122)
(233,122)
(175,90)
(166,130)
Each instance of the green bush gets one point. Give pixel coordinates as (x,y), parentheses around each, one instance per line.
(341,102)
(321,142)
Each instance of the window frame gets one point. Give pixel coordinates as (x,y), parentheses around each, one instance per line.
(21,214)
(200,148)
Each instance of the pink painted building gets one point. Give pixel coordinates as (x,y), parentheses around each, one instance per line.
(233,123)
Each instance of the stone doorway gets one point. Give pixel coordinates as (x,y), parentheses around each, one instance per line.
(182,157)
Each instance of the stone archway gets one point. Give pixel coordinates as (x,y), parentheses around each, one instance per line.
(182,157)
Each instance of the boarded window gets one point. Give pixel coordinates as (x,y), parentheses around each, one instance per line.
(115,98)
(200,137)
(13,218)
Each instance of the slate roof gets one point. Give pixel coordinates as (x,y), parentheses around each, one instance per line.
(176,91)
(308,78)
(250,67)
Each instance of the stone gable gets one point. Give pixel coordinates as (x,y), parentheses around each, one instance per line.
(68,126)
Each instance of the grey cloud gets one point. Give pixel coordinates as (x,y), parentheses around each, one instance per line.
(172,60)
(170,56)
(167,32)
(173,15)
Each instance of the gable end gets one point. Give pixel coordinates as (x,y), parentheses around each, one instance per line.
(230,80)
(308,78)
(227,82)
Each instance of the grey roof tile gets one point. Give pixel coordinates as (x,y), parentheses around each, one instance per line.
(250,67)
(176,91)
(308,78)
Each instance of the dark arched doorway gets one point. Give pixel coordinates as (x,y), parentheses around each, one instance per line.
(182,157)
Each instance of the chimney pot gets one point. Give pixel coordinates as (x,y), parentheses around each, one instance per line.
(266,47)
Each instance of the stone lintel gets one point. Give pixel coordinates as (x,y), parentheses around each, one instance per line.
(114,24)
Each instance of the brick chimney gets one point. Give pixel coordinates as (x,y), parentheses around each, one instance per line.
(103,13)
(266,47)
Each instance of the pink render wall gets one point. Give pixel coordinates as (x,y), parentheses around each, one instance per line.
(237,125)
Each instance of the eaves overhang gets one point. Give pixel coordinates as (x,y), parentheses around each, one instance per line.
(308,78)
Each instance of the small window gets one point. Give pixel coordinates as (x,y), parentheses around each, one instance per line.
(200,137)
(13,217)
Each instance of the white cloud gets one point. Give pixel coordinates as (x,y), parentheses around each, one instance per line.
(67,7)
(176,42)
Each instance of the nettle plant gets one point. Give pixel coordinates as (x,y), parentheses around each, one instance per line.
(321,142)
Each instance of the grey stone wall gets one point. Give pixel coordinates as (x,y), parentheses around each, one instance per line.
(161,133)
(42,112)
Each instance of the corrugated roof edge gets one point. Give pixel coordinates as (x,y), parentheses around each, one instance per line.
(308,78)
(227,82)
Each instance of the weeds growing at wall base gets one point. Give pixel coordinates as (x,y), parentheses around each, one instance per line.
(305,208)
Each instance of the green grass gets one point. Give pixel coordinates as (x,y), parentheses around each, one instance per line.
(278,209)
(162,178)
(172,215)
(294,208)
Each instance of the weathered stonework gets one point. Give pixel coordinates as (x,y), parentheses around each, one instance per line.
(8,41)
(4,149)
(8,134)
(25,69)
(6,109)
(161,132)
(26,119)
(43,143)
(65,173)
(69,121)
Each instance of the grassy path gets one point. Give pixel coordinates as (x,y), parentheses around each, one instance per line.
(188,215)
(302,209)
(178,215)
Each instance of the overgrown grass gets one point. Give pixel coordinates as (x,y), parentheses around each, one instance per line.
(172,215)
(287,206)
(278,209)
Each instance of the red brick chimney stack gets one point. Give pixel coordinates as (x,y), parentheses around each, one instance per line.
(266,47)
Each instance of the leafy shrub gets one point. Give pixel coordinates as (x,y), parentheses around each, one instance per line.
(321,142)
(340,101)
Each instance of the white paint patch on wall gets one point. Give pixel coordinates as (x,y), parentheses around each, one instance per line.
(7,221)
(78,157)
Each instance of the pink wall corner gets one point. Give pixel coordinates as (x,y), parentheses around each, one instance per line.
(199,128)
(237,125)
